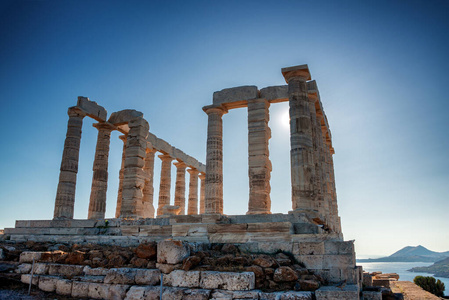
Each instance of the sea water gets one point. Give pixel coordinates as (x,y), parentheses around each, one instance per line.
(401,269)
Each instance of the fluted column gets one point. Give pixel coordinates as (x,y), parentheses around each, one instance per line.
(193,192)
(259,163)
(214,160)
(322,165)
(165,183)
(180,187)
(121,176)
(65,195)
(301,153)
(202,176)
(148,190)
(97,203)
(134,176)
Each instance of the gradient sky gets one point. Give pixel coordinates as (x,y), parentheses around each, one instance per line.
(381,68)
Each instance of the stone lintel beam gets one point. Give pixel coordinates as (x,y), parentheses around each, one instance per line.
(275,94)
(92,109)
(124,116)
(301,71)
(235,97)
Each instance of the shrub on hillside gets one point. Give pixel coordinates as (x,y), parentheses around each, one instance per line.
(430,284)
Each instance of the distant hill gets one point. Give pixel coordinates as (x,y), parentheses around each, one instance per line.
(411,254)
(438,269)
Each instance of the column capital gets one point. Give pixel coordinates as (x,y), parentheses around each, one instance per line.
(165,157)
(75,111)
(123,137)
(193,171)
(301,72)
(215,109)
(202,175)
(180,165)
(105,126)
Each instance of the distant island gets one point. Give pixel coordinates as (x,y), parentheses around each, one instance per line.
(438,269)
(411,254)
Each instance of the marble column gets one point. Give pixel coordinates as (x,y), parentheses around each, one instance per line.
(65,195)
(301,153)
(180,187)
(97,203)
(134,176)
(148,190)
(214,160)
(259,163)
(322,165)
(318,200)
(193,192)
(121,176)
(202,176)
(165,183)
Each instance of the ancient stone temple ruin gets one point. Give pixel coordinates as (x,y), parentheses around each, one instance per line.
(309,234)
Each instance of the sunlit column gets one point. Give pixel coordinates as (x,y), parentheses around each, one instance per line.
(148,190)
(193,192)
(165,183)
(97,203)
(301,153)
(202,176)
(214,160)
(121,176)
(259,170)
(180,187)
(65,195)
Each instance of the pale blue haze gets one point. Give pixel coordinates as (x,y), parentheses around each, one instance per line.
(381,67)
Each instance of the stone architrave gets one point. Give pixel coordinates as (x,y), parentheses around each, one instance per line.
(180,186)
(165,183)
(202,176)
(301,153)
(97,204)
(259,163)
(65,194)
(134,176)
(214,160)
(148,190)
(193,192)
(121,176)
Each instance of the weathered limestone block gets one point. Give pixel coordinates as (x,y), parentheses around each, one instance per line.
(275,94)
(92,109)
(23,269)
(291,295)
(371,295)
(121,276)
(136,293)
(311,261)
(309,248)
(124,116)
(172,252)
(270,296)
(25,278)
(196,294)
(245,295)
(180,278)
(98,291)
(48,283)
(28,256)
(117,291)
(367,279)
(93,278)
(80,289)
(338,261)
(41,269)
(148,277)
(349,292)
(65,270)
(64,287)
(95,271)
(337,247)
(227,280)
(236,94)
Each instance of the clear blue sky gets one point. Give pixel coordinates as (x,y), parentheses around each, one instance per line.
(381,67)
